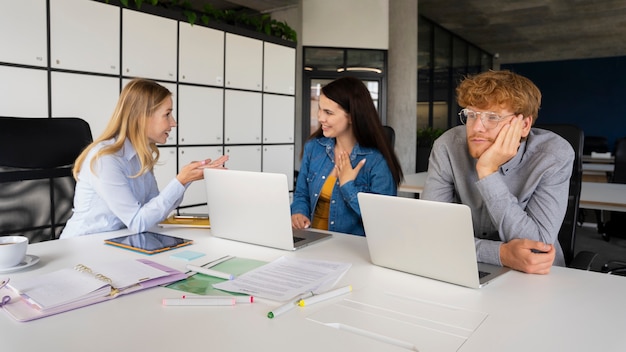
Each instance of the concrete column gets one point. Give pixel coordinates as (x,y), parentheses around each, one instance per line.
(402,80)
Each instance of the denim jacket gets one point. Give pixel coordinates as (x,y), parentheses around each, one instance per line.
(318,162)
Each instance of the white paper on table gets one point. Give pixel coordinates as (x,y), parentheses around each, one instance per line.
(606,155)
(285,278)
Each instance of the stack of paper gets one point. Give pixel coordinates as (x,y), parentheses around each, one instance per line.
(287,278)
(606,155)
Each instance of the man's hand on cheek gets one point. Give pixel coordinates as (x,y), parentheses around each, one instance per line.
(503,148)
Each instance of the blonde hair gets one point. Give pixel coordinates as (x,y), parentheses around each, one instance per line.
(500,88)
(139,99)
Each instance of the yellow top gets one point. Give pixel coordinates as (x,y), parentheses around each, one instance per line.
(322,209)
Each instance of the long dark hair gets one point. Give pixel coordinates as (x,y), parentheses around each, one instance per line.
(354,98)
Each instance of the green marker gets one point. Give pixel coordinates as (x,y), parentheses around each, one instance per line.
(288,306)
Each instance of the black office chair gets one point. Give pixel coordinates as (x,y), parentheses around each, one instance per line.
(36,159)
(391,135)
(596,144)
(616,225)
(567,234)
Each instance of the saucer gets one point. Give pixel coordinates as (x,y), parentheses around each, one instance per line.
(29,260)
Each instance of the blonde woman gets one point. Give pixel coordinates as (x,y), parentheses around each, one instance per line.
(116,187)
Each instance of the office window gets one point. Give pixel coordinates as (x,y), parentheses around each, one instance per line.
(323,59)
(323,65)
(443,59)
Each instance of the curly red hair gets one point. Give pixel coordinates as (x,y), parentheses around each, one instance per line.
(500,88)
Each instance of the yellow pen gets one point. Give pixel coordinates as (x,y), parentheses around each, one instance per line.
(325,296)
(288,306)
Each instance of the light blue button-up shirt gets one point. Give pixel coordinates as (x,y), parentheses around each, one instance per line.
(111,199)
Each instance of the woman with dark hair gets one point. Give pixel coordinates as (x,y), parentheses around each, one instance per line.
(348,154)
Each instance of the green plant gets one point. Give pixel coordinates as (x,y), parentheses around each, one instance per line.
(262,23)
(426,136)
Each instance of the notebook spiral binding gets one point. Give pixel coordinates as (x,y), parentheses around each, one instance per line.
(101,277)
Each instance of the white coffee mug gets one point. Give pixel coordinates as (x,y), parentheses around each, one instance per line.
(12,250)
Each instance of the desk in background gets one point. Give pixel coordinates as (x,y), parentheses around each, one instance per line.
(413,183)
(597,172)
(603,196)
(597,169)
(567,310)
(598,160)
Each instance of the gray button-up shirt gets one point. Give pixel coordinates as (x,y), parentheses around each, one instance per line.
(526,198)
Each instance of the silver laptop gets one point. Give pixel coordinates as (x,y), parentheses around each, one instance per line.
(254,207)
(426,238)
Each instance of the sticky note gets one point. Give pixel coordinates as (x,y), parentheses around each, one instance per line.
(187,255)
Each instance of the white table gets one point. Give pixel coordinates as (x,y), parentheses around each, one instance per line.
(603,196)
(598,168)
(568,310)
(413,183)
(598,160)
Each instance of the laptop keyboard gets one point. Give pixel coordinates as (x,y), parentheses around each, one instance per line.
(482,274)
(297,239)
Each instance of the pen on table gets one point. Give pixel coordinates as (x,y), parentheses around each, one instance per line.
(324,296)
(287,306)
(218,261)
(199,302)
(210,272)
(238,299)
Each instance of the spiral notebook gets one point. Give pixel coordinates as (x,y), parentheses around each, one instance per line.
(66,289)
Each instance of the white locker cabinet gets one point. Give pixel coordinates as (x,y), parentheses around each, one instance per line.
(231,94)
(279,69)
(172,139)
(23,25)
(148,46)
(243,120)
(279,159)
(196,192)
(23,92)
(201,55)
(172,88)
(97,96)
(278,118)
(244,62)
(73,26)
(201,115)
(166,169)
(244,158)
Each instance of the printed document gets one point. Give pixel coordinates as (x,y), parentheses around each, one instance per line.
(286,278)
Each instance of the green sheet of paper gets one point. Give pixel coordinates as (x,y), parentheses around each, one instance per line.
(200,284)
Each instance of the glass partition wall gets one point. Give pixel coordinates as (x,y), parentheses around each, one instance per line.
(443,59)
(322,65)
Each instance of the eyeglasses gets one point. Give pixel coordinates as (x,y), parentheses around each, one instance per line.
(489,119)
